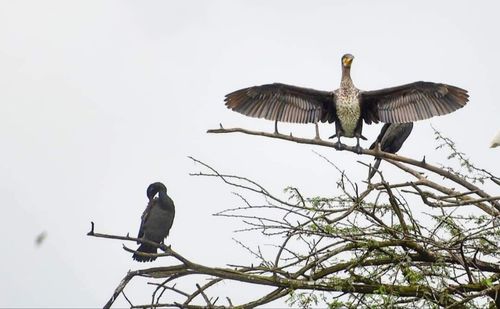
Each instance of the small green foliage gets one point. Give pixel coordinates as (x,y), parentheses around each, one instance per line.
(412,276)
(381,290)
(303,299)
(336,304)
(487,282)
(478,220)
(473,173)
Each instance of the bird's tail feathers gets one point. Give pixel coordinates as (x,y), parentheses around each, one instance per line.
(146,249)
(374,168)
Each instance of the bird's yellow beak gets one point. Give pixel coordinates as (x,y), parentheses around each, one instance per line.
(347,60)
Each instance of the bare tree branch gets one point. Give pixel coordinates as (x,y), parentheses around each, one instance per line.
(416,243)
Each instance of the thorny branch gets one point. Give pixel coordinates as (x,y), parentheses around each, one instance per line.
(417,243)
(384,155)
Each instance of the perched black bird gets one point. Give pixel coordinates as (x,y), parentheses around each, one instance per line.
(156,220)
(391,138)
(347,106)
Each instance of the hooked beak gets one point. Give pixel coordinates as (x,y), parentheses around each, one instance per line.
(347,60)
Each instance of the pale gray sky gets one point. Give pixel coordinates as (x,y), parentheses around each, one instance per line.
(100,98)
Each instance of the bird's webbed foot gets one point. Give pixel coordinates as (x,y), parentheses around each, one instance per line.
(358,149)
(339,146)
(164,244)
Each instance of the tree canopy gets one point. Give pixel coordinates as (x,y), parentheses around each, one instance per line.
(369,245)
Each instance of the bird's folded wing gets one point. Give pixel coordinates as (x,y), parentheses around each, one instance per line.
(283,103)
(145,216)
(411,102)
(380,135)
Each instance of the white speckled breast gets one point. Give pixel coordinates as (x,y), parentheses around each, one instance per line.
(348,110)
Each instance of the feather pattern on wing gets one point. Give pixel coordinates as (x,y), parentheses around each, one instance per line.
(411,102)
(145,215)
(284,103)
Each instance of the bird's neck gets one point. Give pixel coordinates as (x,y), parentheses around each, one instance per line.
(346,81)
(164,199)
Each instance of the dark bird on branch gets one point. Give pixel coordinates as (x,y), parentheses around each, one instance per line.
(347,106)
(391,138)
(156,220)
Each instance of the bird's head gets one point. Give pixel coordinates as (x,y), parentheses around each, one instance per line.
(347,60)
(154,188)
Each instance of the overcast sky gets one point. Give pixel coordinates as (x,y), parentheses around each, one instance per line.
(98,99)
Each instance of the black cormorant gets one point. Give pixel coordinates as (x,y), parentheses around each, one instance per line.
(347,106)
(391,138)
(156,220)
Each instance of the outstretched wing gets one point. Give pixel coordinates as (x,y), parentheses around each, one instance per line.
(283,103)
(411,102)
